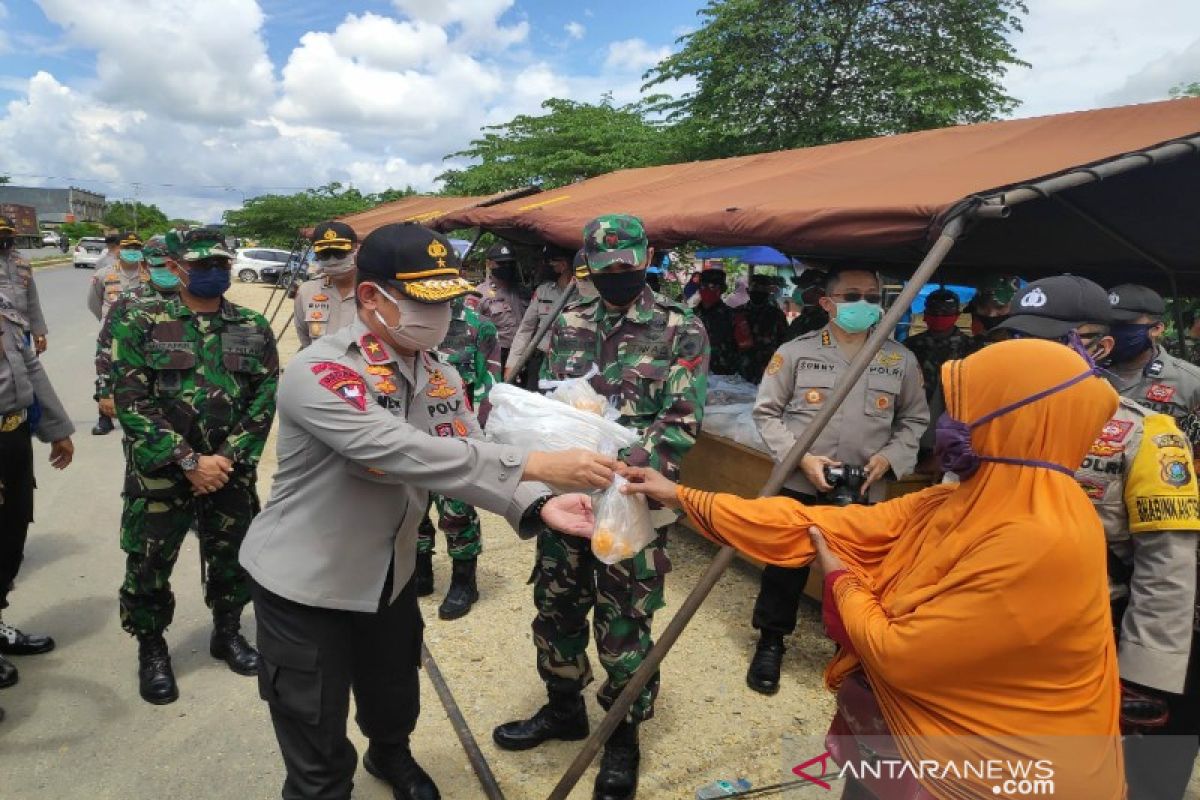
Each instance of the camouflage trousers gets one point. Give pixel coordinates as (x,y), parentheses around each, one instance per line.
(459,521)
(568,582)
(152,531)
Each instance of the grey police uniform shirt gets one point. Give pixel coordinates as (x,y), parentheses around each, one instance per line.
(362,440)
(1156,632)
(17,284)
(22,377)
(885,413)
(321,310)
(1168,385)
(504,307)
(108,284)
(545,297)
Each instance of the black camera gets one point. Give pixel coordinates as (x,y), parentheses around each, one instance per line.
(847,482)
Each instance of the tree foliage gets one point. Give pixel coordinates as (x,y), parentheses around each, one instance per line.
(777,74)
(1186,90)
(570,142)
(146,220)
(276,219)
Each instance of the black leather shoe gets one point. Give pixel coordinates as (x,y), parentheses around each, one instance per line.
(8,673)
(156,680)
(402,772)
(15,643)
(618,775)
(462,593)
(424,574)
(228,644)
(564,718)
(763,675)
(103,425)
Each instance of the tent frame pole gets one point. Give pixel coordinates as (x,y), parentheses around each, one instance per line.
(933,259)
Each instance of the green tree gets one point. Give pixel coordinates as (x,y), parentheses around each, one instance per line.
(777,74)
(569,142)
(277,219)
(146,220)
(77,230)
(1186,90)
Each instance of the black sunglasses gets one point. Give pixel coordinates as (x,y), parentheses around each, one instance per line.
(853,296)
(326,255)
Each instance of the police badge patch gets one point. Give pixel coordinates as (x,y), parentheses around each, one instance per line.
(344,382)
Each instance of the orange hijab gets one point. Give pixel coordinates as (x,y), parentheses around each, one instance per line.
(977,609)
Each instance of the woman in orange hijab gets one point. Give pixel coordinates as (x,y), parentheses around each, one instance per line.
(977,612)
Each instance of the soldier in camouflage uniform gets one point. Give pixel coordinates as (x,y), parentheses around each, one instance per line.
(718,321)
(126,272)
(942,342)
(652,355)
(765,328)
(473,349)
(194,381)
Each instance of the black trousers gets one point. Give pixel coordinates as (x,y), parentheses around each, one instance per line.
(16,503)
(1158,766)
(780,588)
(311,660)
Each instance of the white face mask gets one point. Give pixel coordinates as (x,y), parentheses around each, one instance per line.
(337,267)
(422,326)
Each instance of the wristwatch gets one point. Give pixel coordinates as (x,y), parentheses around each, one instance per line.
(188,462)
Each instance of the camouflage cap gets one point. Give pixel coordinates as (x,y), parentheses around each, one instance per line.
(999,289)
(202,243)
(614,238)
(156,251)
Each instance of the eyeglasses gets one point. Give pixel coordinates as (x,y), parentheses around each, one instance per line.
(853,296)
(328,254)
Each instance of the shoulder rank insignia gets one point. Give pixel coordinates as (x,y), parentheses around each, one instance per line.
(775,365)
(437,386)
(373,349)
(343,381)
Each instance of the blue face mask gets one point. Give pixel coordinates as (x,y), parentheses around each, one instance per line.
(131,256)
(208,283)
(1130,341)
(164,279)
(858,316)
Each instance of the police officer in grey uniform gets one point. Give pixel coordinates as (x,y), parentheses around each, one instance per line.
(1140,478)
(16,281)
(545,298)
(877,429)
(1141,369)
(326,304)
(369,422)
(21,378)
(503,301)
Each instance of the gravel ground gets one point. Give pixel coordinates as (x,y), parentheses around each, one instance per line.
(708,724)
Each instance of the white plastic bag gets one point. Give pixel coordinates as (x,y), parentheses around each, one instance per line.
(623,526)
(579,394)
(534,422)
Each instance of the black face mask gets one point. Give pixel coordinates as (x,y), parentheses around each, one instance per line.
(989,323)
(759,298)
(621,288)
(654,282)
(506,273)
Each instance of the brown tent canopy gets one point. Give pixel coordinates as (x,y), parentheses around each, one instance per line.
(887,198)
(423,208)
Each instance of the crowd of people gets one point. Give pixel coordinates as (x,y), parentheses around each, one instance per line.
(1044,589)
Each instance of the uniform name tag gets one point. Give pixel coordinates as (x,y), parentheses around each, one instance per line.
(167,347)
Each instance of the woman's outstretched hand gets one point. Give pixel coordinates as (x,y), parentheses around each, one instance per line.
(825,557)
(650,482)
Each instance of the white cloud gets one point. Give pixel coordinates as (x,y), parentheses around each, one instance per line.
(207,61)
(575,30)
(633,55)
(478,21)
(1086,53)
(388,44)
(1157,78)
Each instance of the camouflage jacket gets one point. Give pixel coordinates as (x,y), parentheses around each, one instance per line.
(653,361)
(765,328)
(187,383)
(932,351)
(718,324)
(473,349)
(104,340)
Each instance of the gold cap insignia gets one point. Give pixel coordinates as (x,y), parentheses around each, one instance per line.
(330,234)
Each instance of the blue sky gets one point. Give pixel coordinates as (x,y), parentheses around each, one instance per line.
(193,104)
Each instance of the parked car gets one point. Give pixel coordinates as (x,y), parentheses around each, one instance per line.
(88,252)
(49,238)
(250,261)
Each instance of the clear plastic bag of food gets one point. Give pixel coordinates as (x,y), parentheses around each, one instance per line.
(623,526)
(529,420)
(579,394)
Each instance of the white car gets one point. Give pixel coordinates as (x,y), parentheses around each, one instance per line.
(49,239)
(248,264)
(88,252)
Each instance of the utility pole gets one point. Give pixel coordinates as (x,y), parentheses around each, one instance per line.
(136,189)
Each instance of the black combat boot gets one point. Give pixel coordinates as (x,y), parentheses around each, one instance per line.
(424,574)
(564,717)
(462,593)
(763,675)
(618,775)
(103,425)
(228,644)
(156,681)
(397,767)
